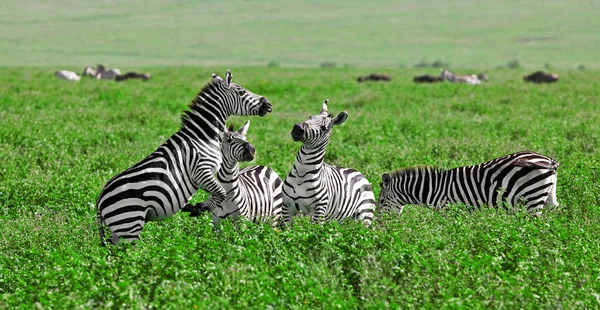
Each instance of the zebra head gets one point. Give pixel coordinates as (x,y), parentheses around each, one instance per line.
(316,130)
(238,100)
(235,148)
(388,198)
(446,75)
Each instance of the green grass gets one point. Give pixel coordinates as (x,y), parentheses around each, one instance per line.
(464,33)
(61,141)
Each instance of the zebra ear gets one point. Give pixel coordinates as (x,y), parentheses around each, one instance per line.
(324,107)
(386,178)
(244,130)
(340,118)
(228,77)
(216,78)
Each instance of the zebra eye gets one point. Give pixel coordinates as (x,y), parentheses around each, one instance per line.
(323,128)
(242,92)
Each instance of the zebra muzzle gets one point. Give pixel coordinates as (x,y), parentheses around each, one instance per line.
(265,107)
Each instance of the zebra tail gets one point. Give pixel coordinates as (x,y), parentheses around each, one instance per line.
(99,221)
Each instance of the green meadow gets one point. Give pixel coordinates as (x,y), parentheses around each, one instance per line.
(384,33)
(61,141)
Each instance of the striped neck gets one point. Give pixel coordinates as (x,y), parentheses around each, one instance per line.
(309,159)
(229,176)
(423,186)
(208,114)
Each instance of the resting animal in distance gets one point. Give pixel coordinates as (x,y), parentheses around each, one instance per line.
(541,77)
(374,77)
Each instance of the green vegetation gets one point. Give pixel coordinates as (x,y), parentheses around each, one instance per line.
(464,33)
(61,141)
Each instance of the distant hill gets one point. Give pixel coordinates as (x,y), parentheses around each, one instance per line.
(562,34)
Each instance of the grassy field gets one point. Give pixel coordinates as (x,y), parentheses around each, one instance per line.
(61,141)
(390,33)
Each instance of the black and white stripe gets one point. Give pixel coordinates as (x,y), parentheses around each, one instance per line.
(324,191)
(253,193)
(162,183)
(523,177)
(452,77)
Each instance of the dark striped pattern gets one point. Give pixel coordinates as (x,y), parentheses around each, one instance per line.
(321,190)
(253,193)
(161,184)
(523,177)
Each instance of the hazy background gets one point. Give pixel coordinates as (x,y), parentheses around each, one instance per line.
(387,33)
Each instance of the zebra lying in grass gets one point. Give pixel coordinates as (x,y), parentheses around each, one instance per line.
(254,192)
(162,183)
(452,77)
(324,191)
(523,177)
(67,75)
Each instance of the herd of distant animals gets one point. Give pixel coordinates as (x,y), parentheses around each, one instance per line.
(161,184)
(473,79)
(101,73)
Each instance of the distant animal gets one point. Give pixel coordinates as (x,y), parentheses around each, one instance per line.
(89,71)
(132,75)
(482,77)
(106,74)
(452,77)
(161,184)
(67,75)
(374,77)
(525,177)
(541,77)
(323,191)
(426,78)
(253,193)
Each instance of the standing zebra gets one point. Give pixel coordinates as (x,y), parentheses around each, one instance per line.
(161,184)
(254,192)
(526,177)
(324,191)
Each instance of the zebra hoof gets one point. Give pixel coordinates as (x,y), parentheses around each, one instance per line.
(187,208)
(196,210)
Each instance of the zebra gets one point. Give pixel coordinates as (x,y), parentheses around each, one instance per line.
(161,184)
(254,192)
(472,79)
(67,75)
(321,190)
(525,176)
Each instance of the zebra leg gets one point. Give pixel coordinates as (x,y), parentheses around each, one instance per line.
(100,226)
(366,208)
(127,234)
(319,215)
(286,217)
(552,202)
(217,195)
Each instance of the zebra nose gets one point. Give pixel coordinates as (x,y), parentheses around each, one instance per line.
(298,131)
(265,106)
(251,151)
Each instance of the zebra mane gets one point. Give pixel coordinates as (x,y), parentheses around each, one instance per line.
(195,104)
(408,171)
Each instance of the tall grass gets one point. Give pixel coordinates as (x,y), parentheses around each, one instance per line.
(61,141)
